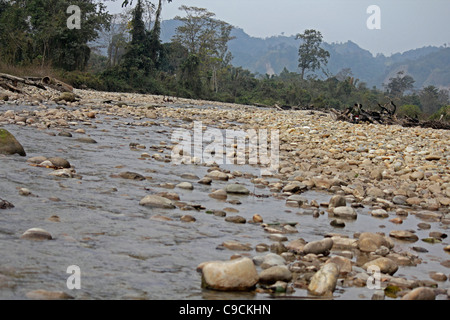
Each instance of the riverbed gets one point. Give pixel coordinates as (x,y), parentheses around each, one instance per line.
(127,251)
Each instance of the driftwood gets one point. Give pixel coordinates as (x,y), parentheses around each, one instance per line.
(10,82)
(386,116)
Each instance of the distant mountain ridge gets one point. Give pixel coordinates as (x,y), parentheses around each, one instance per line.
(427,65)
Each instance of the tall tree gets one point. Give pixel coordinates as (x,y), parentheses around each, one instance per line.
(311,56)
(397,86)
(207,38)
(37,30)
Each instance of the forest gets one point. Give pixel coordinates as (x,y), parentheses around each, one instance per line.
(36,41)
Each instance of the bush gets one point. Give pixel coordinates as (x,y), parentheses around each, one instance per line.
(84,80)
(444,112)
(409,110)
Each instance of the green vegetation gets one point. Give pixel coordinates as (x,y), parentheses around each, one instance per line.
(195,64)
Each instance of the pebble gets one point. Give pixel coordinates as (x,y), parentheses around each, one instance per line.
(236,189)
(385,265)
(185,185)
(235,219)
(318,247)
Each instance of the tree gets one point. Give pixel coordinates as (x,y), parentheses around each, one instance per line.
(432,99)
(36,30)
(207,38)
(400,84)
(311,56)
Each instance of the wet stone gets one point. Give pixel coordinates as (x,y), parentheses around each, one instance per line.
(36,234)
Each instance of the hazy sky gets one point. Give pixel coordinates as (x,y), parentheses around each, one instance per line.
(405,24)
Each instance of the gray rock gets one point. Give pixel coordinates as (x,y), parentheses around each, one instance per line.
(236,189)
(319,247)
(36,234)
(60,162)
(337,201)
(345,213)
(185,185)
(153,201)
(274,274)
(235,219)
(9,144)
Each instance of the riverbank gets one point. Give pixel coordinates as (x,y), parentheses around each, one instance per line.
(336,180)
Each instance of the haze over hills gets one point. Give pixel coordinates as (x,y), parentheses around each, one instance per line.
(427,65)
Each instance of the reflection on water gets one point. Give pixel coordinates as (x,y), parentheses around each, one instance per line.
(122,250)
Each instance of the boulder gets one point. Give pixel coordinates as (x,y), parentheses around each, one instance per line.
(324,281)
(9,145)
(234,275)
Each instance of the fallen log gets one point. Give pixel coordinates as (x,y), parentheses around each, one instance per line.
(15,80)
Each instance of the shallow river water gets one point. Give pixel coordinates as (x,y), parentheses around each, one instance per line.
(124,253)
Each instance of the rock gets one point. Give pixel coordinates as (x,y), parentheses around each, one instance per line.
(344,264)
(324,281)
(189,176)
(337,201)
(424,226)
(379,213)
(36,234)
(341,243)
(421,293)
(399,200)
(37,160)
(153,201)
(217,175)
(429,216)
(296,200)
(257,218)
(188,218)
(234,275)
(345,212)
(370,242)
(205,180)
(48,295)
(446,248)
(236,245)
(432,157)
(132,176)
(269,260)
(418,175)
(220,194)
(65,134)
(385,265)
(319,247)
(63,173)
(294,187)
(59,162)
(5,204)
(185,185)
(403,235)
(86,140)
(296,246)
(438,276)
(236,189)
(274,274)
(9,145)
(437,235)
(235,219)
(337,223)
(66,96)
